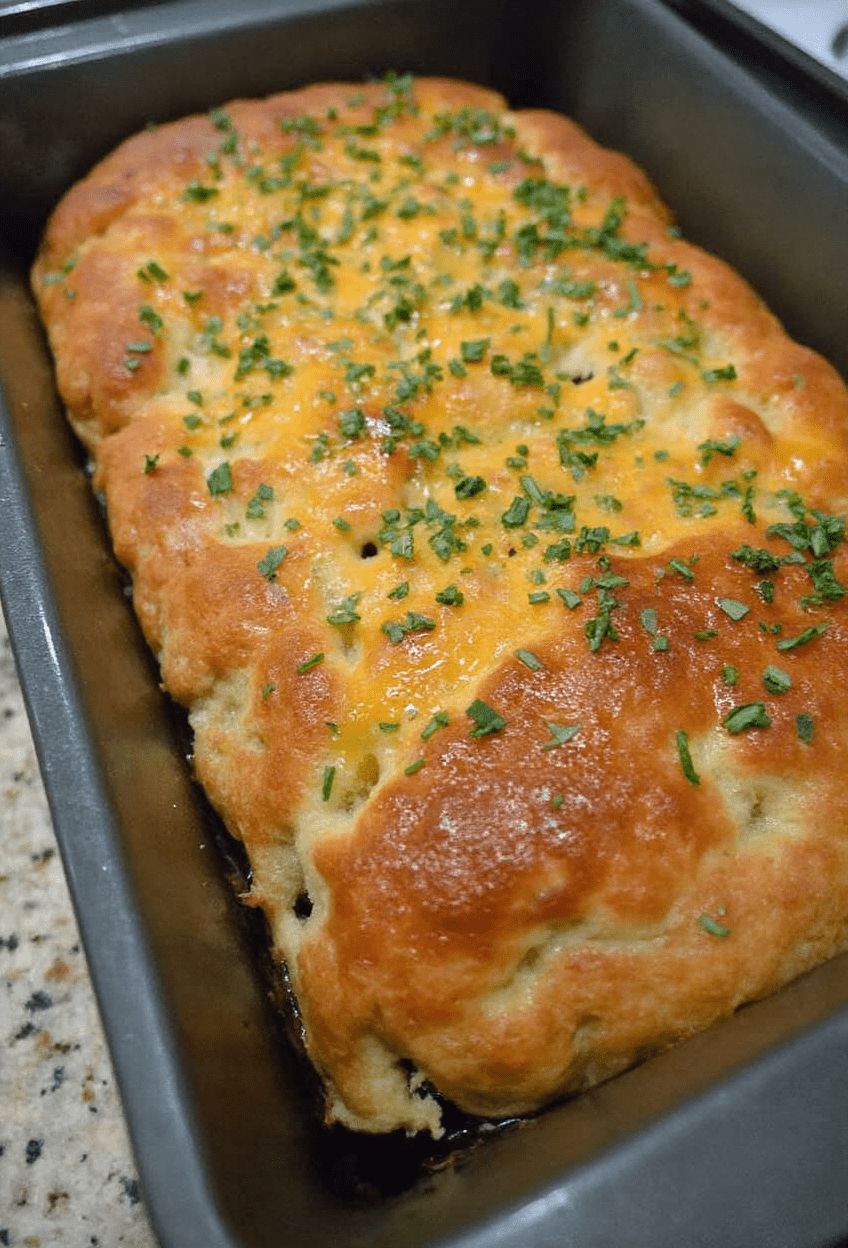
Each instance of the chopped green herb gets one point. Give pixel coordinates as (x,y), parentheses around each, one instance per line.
(730,674)
(450,596)
(750,715)
(685,757)
(516,514)
(220,479)
(468,487)
(528,658)
(682,569)
(805,727)
(413,767)
(152,272)
(271,561)
(712,927)
(196,193)
(713,446)
(400,591)
(648,620)
(352,422)
(757,559)
(776,680)
(815,630)
(486,719)
(726,373)
(538,596)
(308,664)
(150,462)
(560,734)
(731,607)
(569,597)
(472,352)
(345,612)
(256,505)
(327,783)
(413,622)
(440,720)
(149,317)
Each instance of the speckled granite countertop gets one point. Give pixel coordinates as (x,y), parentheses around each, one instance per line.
(67,1176)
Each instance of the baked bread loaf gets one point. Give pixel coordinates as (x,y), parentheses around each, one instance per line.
(492,536)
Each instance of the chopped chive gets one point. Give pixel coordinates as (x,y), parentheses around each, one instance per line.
(560,734)
(528,658)
(486,719)
(682,569)
(439,720)
(733,608)
(152,272)
(327,784)
(516,514)
(468,487)
(648,620)
(805,727)
(537,596)
(730,674)
(271,561)
(308,664)
(750,715)
(815,630)
(220,479)
(776,680)
(450,596)
(569,597)
(714,928)
(413,767)
(685,757)
(345,612)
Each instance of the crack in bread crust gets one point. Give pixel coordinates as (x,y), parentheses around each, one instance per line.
(491,534)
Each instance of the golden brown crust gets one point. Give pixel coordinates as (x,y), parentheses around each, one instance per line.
(346,340)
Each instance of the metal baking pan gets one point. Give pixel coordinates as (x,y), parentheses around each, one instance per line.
(738,1137)
(743,32)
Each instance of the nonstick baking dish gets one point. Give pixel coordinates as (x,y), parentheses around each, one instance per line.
(735,1137)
